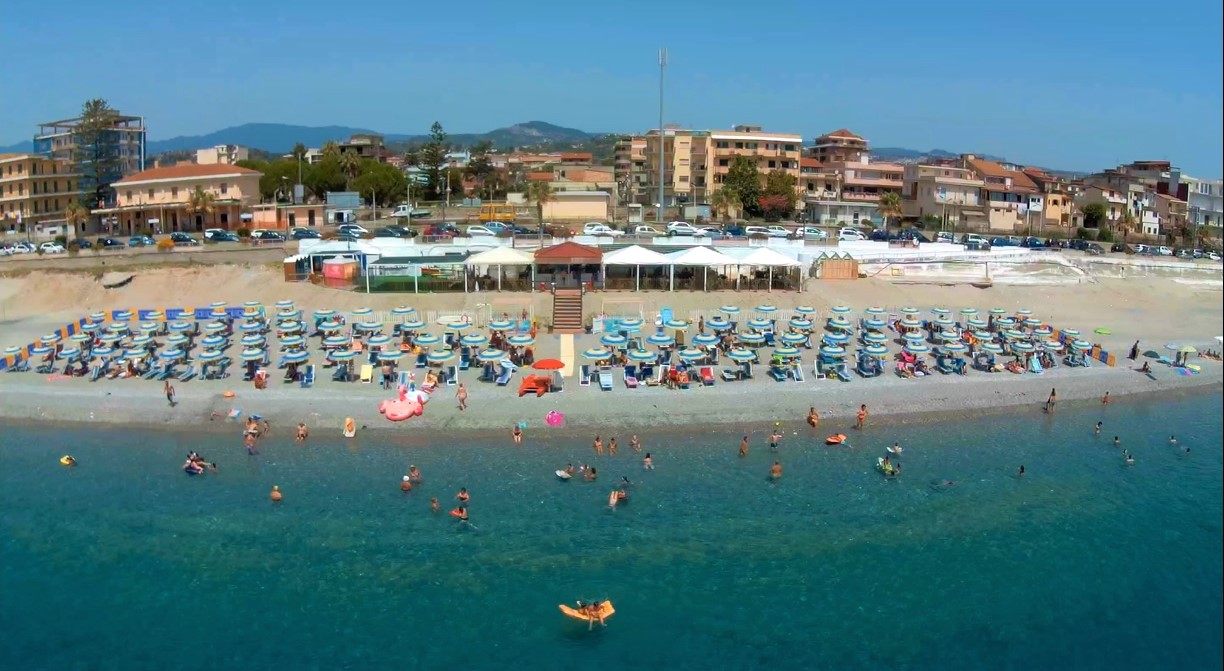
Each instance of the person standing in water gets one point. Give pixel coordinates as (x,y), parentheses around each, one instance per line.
(648,463)
(612,445)
(406,485)
(1105,399)
(813,417)
(774,439)
(597,445)
(775,471)
(635,443)
(1051,401)
(302,433)
(516,434)
(1021,470)
(434,505)
(1173,441)
(861,418)
(743,451)
(1098,427)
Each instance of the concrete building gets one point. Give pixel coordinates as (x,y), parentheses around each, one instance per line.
(124,141)
(1059,209)
(949,192)
(849,183)
(629,167)
(696,162)
(369,146)
(1205,203)
(1113,200)
(578,206)
(158,199)
(222,154)
(1011,199)
(840,146)
(1172,213)
(34,192)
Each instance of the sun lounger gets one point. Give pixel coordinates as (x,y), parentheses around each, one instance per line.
(401,379)
(20,366)
(308,374)
(706,373)
(630,373)
(421,361)
(730,375)
(46,368)
(187,374)
(367,373)
(465,360)
(647,372)
(584,375)
(507,373)
(166,373)
(487,373)
(778,373)
(796,371)
(683,379)
(605,378)
(451,375)
(153,372)
(534,384)
(220,370)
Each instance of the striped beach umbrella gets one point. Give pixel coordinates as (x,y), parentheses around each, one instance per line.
(209,355)
(910,310)
(141,340)
(123,315)
(51,338)
(729,309)
(767,308)
(876,350)
(368,327)
(474,340)
(70,353)
(521,340)
(615,340)
(1023,313)
(148,327)
(741,354)
(875,311)
(835,338)
(288,315)
(329,325)
(402,311)
(949,336)
(916,348)
(1043,331)
(177,339)
(178,326)
(718,323)
(80,337)
(997,311)
(428,340)
(968,312)
(1012,334)
(297,356)
(910,323)
(660,339)
(1031,321)
(289,327)
(1081,345)
(98,317)
(284,305)
(326,313)
(90,327)
(118,327)
(1004,322)
(597,353)
(171,354)
(103,351)
(252,306)
(379,340)
(975,323)
(501,325)
(212,341)
(217,305)
(110,337)
(874,324)
(631,325)
(214,327)
(1052,345)
(677,324)
(1022,346)
(832,350)
(704,339)
(218,313)
(792,338)
(955,347)
(292,341)
(787,352)
(155,315)
(253,340)
(993,348)
(840,310)
(983,335)
(690,354)
(839,322)
(914,336)
(250,326)
(135,353)
(342,355)
(412,325)
(253,354)
(805,310)
(750,338)
(1071,333)
(940,312)
(642,355)
(944,320)
(330,341)
(440,356)
(360,313)
(490,355)
(759,324)
(801,324)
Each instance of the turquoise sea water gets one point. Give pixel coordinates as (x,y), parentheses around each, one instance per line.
(1084,563)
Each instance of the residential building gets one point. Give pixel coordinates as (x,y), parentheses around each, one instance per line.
(1173,212)
(840,146)
(158,199)
(577,158)
(585,179)
(947,191)
(34,192)
(1059,208)
(1010,197)
(1111,198)
(124,141)
(629,165)
(222,154)
(696,162)
(848,184)
(366,145)
(1205,203)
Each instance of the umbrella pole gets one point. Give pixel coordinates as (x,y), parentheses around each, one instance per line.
(671,277)
(499,274)
(770,289)
(637,278)
(705,279)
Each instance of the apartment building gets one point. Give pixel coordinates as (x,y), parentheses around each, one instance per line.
(1205,203)
(948,191)
(159,199)
(629,167)
(34,192)
(222,154)
(366,145)
(1059,210)
(1010,198)
(1172,213)
(850,182)
(696,162)
(840,146)
(124,140)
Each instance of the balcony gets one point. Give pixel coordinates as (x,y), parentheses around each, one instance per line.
(854,196)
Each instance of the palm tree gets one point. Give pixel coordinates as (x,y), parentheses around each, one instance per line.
(725,201)
(201,202)
(1126,223)
(890,206)
(350,163)
(540,193)
(331,149)
(75,215)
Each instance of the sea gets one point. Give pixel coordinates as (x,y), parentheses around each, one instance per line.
(1084,562)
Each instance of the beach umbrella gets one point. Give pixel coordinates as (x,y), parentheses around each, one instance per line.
(615,340)
(70,352)
(214,327)
(968,312)
(171,354)
(427,340)
(252,354)
(548,364)
(835,338)
(1005,322)
(440,356)
(212,341)
(292,341)
(690,354)
(641,355)
(875,311)
(218,313)
(123,315)
(289,327)
(284,305)
(914,336)
(631,325)
(840,310)
(103,351)
(876,350)
(983,335)
(801,324)
(759,324)
(1043,331)
(741,354)
(1187,349)
(805,310)
(331,341)
(80,337)
(916,348)
(787,352)
(209,355)
(155,315)
(597,353)
(148,327)
(368,326)
(178,326)
(325,313)
(491,354)
(329,325)
(661,339)
(1031,321)
(135,353)
(948,336)
(252,306)
(177,339)
(217,305)
(997,311)
(342,355)
(910,323)
(1012,334)
(1022,346)
(89,327)
(993,348)
(378,340)
(1081,345)
(955,347)
(402,311)
(250,326)
(944,320)
(141,340)
(874,324)
(677,324)
(297,356)
(521,340)
(839,322)
(729,309)
(792,338)
(412,325)
(253,340)
(941,312)
(111,337)
(718,323)
(832,350)
(51,338)
(362,312)
(474,340)
(288,315)
(501,324)
(98,317)
(1052,345)
(1024,313)
(976,323)
(118,327)
(750,338)
(1071,333)
(767,309)
(908,310)
(456,326)
(705,339)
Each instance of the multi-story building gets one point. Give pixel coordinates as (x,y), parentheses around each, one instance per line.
(1113,200)
(696,162)
(629,166)
(1011,199)
(366,145)
(123,142)
(851,183)
(222,154)
(34,192)
(840,146)
(159,199)
(1172,212)
(947,191)
(1059,209)
(1205,203)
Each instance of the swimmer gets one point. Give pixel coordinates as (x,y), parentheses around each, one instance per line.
(569,469)
(648,463)
(743,451)
(598,445)
(1105,399)
(625,482)
(276,493)
(590,474)
(516,434)
(813,417)
(1173,441)
(434,505)
(635,443)
(1021,469)
(406,485)
(249,441)
(463,496)
(302,433)
(612,445)
(1098,427)
(1130,460)
(1117,441)
(775,471)
(463,514)
(69,460)
(896,448)
(774,439)
(414,474)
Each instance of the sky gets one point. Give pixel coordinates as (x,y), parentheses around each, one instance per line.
(1067,85)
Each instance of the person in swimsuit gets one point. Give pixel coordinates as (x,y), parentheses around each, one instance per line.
(861,418)
(302,433)
(590,474)
(414,474)
(775,471)
(598,445)
(1105,399)
(463,514)
(1051,402)
(774,439)
(1173,441)
(612,445)
(1021,469)
(1117,441)
(516,434)
(434,505)
(1098,427)
(406,485)
(647,462)
(743,450)
(569,469)
(463,495)
(813,417)
(635,443)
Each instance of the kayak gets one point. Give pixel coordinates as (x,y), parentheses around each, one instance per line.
(889,470)
(563,475)
(605,609)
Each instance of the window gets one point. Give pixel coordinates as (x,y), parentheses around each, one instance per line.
(150,194)
(790,147)
(127,196)
(224,218)
(174,192)
(739,145)
(224,188)
(722,162)
(773,164)
(683,179)
(720,145)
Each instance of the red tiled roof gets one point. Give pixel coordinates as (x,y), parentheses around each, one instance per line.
(810,163)
(569,252)
(986,168)
(540,176)
(187,171)
(845,133)
(577,156)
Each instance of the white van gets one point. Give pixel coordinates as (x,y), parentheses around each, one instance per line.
(343,217)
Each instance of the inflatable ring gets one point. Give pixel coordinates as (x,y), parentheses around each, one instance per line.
(68,460)
(228,394)
(835,439)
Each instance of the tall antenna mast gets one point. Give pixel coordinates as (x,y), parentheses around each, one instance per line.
(662,136)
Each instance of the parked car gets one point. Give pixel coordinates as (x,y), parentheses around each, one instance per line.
(225,236)
(517,229)
(141,241)
(83,244)
(1078,244)
(1093,249)
(751,231)
(1164,251)
(304,234)
(1032,242)
(109,243)
(440,231)
(1184,254)
(974,238)
(7,249)
(264,235)
(734,230)
(1211,256)
(182,239)
(480,232)
(944,236)
(51,248)
(675,228)
(778,231)
(357,229)
(711,232)
(23,247)
(1001,241)
(848,234)
(596,228)
(210,233)
(558,230)
(648,232)
(1118,247)
(395,232)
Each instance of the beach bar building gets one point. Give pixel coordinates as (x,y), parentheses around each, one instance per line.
(569,265)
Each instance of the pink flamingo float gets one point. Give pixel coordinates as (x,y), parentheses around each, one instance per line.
(410,403)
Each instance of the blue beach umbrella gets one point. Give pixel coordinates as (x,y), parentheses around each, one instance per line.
(660,339)
(750,338)
(412,325)
(141,340)
(325,313)
(332,341)
(289,327)
(1012,334)
(368,327)
(178,326)
(641,355)
(118,327)
(993,348)
(1022,346)
(690,354)
(597,353)
(123,315)
(1081,345)
(944,320)
(135,353)
(177,339)
(614,340)
(98,317)
(51,338)
(521,340)
(916,348)
(500,325)
(941,312)
(955,347)
(250,326)
(428,340)
(297,356)
(474,340)
(214,327)
(70,352)
(997,311)
(766,309)
(252,354)
(440,356)
(631,325)
(840,310)
(975,323)
(729,309)
(90,327)
(288,315)
(362,312)
(839,322)
(111,337)
(968,312)
(835,338)
(251,340)
(948,336)
(342,355)
(786,352)
(741,354)
(805,310)
(378,340)
(759,324)
(218,313)
(1032,321)
(913,336)
(832,350)
(490,355)
(1052,345)
(454,324)
(801,324)
(1043,331)
(718,323)
(171,354)
(677,324)
(1071,333)
(1024,313)
(1004,322)
(80,337)
(284,305)
(402,311)
(876,350)
(148,327)
(103,351)
(706,339)
(209,355)
(875,311)
(793,338)
(292,341)
(909,310)
(212,341)
(875,324)
(329,325)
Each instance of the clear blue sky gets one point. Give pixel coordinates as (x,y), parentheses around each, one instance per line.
(1076,85)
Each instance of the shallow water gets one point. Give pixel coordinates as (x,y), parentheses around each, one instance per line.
(125,563)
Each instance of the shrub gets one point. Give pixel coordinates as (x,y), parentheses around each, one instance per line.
(243,232)
(62,241)
(1087,233)
(1104,235)
(165,245)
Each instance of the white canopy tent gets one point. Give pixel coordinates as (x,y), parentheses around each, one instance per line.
(762,257)
(636,256)
(502,256)
(703,256)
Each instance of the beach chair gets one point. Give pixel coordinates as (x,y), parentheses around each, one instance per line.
(465,360)
(684,379)
(747,368)
(796,371)
(308,376)
(152,373)
(664,372)
(958,365)
(97,373)
(367,373)
(451,375)
(778,373)
(421,360)
(487,373)
(769,339)
(706,373)
(534,384)
(21,366)
(646,372)
(605,378)
(220,370)
(943,364)
(630,373)
(187,374)
(584,375)
(507,373)
(1035,365)
(666,358)
(730,375)
(402,379)
(46,368)
(166,373)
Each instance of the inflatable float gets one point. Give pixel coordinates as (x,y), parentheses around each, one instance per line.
(888,470)
(894,450)
(409,403)
(350,427)
(68,460)
(835,439)
(605,611)
(563,475)
(613,499)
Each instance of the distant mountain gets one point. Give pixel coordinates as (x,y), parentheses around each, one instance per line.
(19,148)
(904,155)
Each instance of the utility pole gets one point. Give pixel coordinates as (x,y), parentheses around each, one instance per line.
(662,136)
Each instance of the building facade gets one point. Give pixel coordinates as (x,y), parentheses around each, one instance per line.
(123,142)
(34,192)
(629,167)
(159,199)
(696,162)
(1010,198)
(842,186)
(949,192)
(222,154)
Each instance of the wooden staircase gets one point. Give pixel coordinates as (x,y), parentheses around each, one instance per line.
(567,311)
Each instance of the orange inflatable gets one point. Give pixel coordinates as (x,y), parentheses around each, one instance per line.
(835,439)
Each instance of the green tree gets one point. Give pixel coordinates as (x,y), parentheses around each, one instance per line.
(75,215)
(331,149)
(432,158)
(539,194)
(782,185)
(381,181)
(201,202)
(350,164)
(278,179)
(482,148)
(96,155)
(726,202)
(412,155)
(325,176)
(1127,223)
(1094,215)
(744,180)
(481,170)
(299,152)
(890,206)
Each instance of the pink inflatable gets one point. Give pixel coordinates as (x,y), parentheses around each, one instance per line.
(554,418)
(410,403)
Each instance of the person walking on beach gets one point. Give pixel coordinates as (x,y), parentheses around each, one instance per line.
(635,443)
(597,445)
(169,390)
(743,451)
(1053,399)
(516,434)
(1134,352)
(861,418)
(461,395)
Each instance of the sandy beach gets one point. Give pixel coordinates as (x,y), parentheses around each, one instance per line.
(1152,310)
